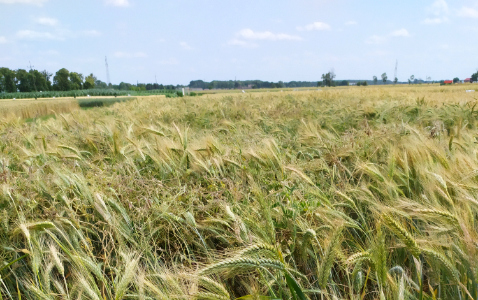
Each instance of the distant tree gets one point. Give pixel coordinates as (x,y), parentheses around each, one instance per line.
(2,83)
(24,81)
(89,82)
(344,83)
(61,80)
(7,80)
(395,81)
(365,83)
(474,77)
(384,78)
(76,81)
(47,76)
(375,79)
(197,84)
(328,79)
(456,80)
(40,82)
(100,84)
(411,79)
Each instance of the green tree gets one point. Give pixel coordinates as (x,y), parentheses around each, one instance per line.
(90,82)
(61,80)
(328,78)
(76,81)
(100,84)
(24,81)
(456,80)
(40,82)
(375,80)
(474,77)
(395,81)
(384,78)
(7,80)
(47,76)
(411,79)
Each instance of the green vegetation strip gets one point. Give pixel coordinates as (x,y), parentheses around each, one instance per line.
(85,93)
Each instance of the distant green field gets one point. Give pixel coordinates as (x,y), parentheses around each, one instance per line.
(85,93)
(100,102)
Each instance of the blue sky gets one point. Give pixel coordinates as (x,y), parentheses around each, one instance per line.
(182,40)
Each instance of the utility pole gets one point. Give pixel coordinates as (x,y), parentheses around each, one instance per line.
(396,71)
(31,69)
(108,82)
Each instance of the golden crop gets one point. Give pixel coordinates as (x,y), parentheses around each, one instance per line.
(352,193)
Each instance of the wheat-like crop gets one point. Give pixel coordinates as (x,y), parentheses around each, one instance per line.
(344,193)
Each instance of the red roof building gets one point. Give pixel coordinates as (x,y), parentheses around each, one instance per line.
(448,82)
(468,80)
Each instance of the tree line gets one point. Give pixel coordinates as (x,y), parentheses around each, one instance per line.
(24,81)
(21,80)
(243,84)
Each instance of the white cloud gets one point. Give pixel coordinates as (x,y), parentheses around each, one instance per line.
(37,35)
(400,33)
(315,26)
(439,11)
(245,44)
(90,33)
(351,23)
(120,3)
(380,39)
(50,52)
(438,8)
(170,61)
(435,21)
(376,39)
(185,46)
(120,54)
(249,34)
(47,21)
(33,2)
(468,12)
(3,40)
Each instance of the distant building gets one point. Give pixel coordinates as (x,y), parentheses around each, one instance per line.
(468,80)
(448,82)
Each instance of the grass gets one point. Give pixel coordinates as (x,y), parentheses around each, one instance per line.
(359,193)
